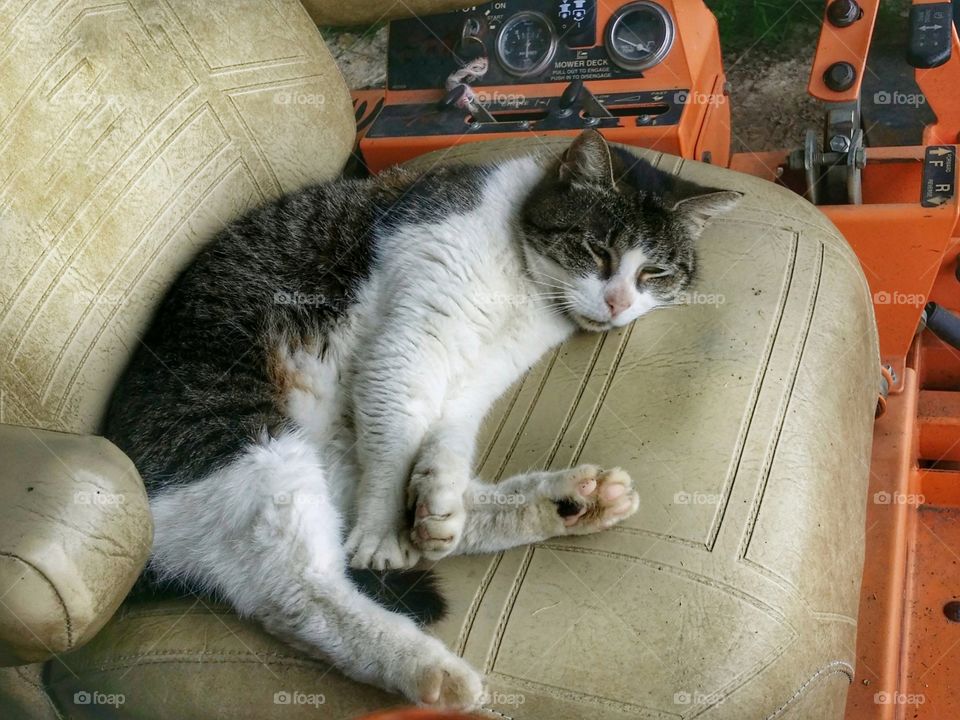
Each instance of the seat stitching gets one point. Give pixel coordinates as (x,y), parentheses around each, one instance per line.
(527,414)
(837,666)
(68,623)
(755,392)
(471,615)
(771,452)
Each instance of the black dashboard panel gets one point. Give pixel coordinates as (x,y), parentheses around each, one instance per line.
(636,109)
(525,41)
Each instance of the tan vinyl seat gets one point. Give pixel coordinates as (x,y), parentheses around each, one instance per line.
(745,417)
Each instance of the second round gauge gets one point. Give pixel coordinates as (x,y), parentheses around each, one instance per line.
(526,44)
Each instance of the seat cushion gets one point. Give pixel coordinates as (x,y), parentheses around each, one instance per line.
(129,132)
(745,419)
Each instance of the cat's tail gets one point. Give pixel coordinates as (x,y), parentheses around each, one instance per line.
(414,593)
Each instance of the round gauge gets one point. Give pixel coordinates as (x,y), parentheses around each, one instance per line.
(639,35)
(526,44)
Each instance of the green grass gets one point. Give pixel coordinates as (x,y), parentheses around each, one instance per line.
(766,24)
(779,25)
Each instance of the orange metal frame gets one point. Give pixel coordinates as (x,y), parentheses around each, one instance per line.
(908,642)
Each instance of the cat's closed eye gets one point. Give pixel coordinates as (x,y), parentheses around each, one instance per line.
(603,257)
(648,272)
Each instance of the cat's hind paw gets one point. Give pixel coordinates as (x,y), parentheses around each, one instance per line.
(590,499)
(450,683)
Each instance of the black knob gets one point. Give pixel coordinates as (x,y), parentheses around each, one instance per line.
(570,94)
(843,13)
(840,76)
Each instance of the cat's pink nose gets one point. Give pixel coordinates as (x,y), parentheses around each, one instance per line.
(617,301)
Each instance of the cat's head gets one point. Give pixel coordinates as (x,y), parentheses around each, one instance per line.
(609,237)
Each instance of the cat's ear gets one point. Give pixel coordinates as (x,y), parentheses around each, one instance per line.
(698,205)
(587,161)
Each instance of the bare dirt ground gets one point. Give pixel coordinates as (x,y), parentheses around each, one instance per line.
(770,105)
(769,102)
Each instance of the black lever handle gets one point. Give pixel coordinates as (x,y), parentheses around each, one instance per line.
(931,32)
(454,96)
(570,94)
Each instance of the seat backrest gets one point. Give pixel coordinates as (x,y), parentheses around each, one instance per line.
(129,134)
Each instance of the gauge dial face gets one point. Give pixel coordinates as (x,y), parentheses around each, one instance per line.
(639,35)
(526,44)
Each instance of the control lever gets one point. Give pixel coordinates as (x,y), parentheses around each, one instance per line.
(462,97)
(931,32)
(593,107)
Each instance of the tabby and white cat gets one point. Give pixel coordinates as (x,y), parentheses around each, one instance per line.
(308,396)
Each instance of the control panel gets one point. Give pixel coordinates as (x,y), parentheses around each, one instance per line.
(643,72)
(530,42)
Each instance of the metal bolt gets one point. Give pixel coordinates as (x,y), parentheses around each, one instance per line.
(839,143)
(840,76)
(843,13)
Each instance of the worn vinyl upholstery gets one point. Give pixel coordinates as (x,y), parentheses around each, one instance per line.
(75,531)
(129,133)
(746,419)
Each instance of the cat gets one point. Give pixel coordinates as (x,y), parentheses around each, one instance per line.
(304,407)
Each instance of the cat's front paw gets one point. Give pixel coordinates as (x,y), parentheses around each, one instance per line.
(439,513)
(380,548)
(592,499)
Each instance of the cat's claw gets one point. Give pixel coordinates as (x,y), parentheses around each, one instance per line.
(373,548)
(590,499)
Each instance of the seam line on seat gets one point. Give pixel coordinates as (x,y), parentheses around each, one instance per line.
(837,666)
(756,391)
(527,414)
(773,448)
(68,623)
